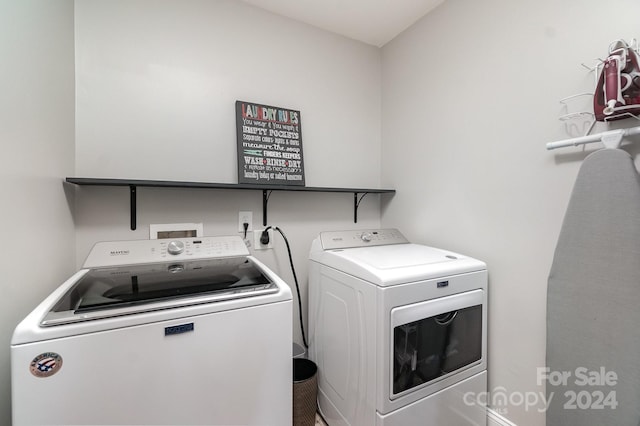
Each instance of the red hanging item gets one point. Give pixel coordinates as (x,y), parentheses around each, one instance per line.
(617,93)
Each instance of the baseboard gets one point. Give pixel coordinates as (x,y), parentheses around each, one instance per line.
(495,419)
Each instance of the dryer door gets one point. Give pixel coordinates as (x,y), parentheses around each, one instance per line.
(434,340)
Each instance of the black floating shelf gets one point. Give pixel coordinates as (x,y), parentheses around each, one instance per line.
(133,184)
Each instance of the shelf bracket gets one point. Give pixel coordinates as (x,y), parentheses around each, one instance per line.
(132,198)
(356,204)
(265,200)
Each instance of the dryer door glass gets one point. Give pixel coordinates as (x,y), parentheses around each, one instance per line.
(436,346)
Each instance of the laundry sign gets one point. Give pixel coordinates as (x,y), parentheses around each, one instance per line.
(269,145)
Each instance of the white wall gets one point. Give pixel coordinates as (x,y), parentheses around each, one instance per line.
(157,82)
(156,87)
(470,97)
(36,133)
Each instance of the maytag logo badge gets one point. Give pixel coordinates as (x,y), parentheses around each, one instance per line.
(46,364)
(119,252)
(178,329)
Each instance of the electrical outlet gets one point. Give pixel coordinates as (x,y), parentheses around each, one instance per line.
(257,245)
(245,217)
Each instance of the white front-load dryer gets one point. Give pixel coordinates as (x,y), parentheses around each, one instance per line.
(398,331)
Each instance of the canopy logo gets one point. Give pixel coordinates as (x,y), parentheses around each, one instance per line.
(579,389)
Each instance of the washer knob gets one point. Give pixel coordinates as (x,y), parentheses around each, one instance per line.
(175,268)
(366,237)
(175,247)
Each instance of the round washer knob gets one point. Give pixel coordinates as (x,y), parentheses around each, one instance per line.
(366,237)
(175,268)
(175,247)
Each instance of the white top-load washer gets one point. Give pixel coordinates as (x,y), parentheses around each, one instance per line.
(398,331)
(163,332)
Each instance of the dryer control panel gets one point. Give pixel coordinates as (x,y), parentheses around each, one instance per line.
(361,238)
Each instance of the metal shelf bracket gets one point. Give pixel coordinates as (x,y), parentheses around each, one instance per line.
(265,200)
(133,206)
(356,204)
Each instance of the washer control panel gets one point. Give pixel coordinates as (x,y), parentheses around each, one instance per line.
(113,253)
(361,238)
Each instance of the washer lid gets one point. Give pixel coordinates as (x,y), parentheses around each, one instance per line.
(387,265)
(129,289)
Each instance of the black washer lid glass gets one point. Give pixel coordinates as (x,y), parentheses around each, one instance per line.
(106,288)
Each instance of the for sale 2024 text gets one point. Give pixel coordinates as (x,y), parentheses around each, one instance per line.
(597,393)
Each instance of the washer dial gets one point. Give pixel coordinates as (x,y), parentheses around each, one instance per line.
(175,247)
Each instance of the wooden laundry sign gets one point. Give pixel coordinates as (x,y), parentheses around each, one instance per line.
(269,141)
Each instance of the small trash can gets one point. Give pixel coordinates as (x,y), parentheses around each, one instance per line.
(305,392)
